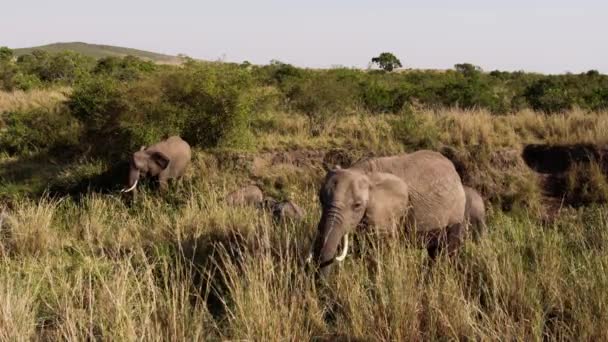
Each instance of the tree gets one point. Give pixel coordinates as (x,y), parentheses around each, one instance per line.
(387,61)
(468,69)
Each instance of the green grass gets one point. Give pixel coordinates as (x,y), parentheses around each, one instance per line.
(99,51)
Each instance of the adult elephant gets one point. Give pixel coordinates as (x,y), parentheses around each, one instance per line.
(164,160)
(421,189)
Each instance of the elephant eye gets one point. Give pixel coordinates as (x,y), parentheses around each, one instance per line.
(357,205)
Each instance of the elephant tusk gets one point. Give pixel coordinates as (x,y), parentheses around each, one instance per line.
(131,188)
(344,249)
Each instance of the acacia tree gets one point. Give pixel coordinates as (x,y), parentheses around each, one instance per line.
(387,61)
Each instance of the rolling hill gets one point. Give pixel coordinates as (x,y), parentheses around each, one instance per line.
(100,51)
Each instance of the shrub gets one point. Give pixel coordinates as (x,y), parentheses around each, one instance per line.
(37,129)
(216,101)
(549,95)
(64,67)
(379,97)
(99,103)
(126,68)
(208,105)
(23,81)
(6,54)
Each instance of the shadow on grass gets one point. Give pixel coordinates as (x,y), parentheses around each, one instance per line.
(204,258)
(46,173)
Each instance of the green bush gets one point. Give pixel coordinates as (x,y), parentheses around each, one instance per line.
(36,130)
(379,97)
(124,69)
(26,82)
(208,105)
(6,54)
(549,95)
(216,102)
(100,104)
(63,67)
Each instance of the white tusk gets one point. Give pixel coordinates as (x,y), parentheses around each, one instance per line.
(131,188)
(344,249)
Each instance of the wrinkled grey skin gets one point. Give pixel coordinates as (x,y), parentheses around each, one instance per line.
(475,213)
(164,160)
(421,189)
(248,195)
(286,211)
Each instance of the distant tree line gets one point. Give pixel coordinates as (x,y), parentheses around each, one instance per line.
(342,89)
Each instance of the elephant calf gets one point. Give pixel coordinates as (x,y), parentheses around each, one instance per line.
(248,195)
(164,160)
(475,212)
(286,211)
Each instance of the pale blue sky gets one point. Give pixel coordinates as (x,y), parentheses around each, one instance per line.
(550,36)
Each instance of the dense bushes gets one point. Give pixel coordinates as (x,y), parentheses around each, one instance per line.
(207,105)
(37,129)
(336,90)
(216,103)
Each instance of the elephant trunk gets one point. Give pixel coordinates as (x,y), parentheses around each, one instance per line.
(326,244)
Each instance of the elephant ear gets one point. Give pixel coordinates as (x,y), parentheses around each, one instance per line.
(160,159)
(388,200)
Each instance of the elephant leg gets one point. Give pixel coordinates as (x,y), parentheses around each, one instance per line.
(434,243)
(449,239)
(433,249)
(479,228)
(455,236)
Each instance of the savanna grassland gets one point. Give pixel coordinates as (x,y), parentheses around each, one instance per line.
(78,261)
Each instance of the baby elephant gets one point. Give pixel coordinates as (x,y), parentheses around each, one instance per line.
(248,195)
(164,160)
(286,211)
(474,212)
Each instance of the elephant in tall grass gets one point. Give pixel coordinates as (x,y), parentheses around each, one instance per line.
(163,161)
(248,195)
(420,191)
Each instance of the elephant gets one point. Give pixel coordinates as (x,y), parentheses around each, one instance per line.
(248,195)
(287,210)
(164,160)
(420,191)
(474,213)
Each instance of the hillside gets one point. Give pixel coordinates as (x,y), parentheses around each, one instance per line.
(100,51)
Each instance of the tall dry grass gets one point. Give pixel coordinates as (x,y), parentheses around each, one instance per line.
(453,127)
(19,100)
(187,267)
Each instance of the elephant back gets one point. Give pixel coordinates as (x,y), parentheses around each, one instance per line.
(436,195)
